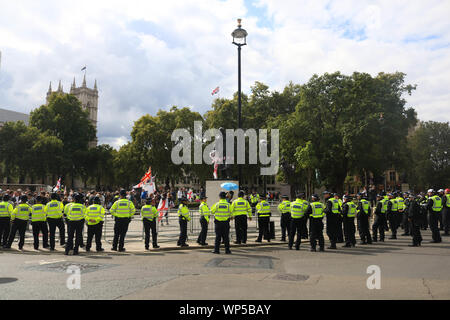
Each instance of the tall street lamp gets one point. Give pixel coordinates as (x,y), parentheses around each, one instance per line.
(239,39)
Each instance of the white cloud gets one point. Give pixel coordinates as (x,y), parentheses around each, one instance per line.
(148,55)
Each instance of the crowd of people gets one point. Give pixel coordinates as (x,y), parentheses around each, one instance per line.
(49,211)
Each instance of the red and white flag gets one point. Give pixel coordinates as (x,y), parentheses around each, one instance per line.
(58,185)
(147,176)
(162,208)
(216,90)
(190,194)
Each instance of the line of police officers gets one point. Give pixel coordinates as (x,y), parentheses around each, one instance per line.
(391,212)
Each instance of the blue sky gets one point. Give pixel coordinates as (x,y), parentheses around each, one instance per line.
(148,55)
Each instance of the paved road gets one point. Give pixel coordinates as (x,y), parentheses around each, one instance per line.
(267,272)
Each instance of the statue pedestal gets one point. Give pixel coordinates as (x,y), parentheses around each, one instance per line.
(213,189)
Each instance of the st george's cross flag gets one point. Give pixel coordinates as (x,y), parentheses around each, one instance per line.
(216,90)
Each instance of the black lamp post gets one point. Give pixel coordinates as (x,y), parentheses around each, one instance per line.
(239,39)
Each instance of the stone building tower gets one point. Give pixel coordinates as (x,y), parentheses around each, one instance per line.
(88,98)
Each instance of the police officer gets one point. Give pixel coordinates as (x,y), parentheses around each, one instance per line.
(298,209)
(6,210)
(263,211)
(446,212)
(241,210)
(440,193)
(205,212)
(423,205)
(75,221)
(392,215)
(363,217)
(380,218)
(222,215)
(434,207)
(349,213)
(254,199)
(39,223)
(414,215)
(19,219)
(285,210)
(123,210)
(340,220)
(315,212)
(54,212)
(149,214)
(400,209)
(183,218)
(94,217)
(333,213)
(405,222)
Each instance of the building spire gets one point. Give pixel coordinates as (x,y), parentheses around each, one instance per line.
(50,88)
(60,89)
(84,81)
(73,84)
(95,85)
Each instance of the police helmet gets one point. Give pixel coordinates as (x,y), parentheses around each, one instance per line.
(78,198)
(23,198)
(315,196)
(148,201)
(240,194)
(123,192)
(6,197)
(222,195)
(54,196)
(284,196)
(96,200)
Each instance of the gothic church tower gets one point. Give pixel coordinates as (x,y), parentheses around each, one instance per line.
(88,98)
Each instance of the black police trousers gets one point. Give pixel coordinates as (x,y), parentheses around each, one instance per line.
(296,227)
(17,225)
(150,225)
(363,228)
(379,227)
(120,231)
(415,232)
(316,232)
(263,226)
(4,230)
(405,223)
(434,220)
(40,226)
(333,228)
(393,219)
(52,225)
(204,232)
(340,234)
(349,231)
(285,224)
(94,230)
(446,219)
(240,224)
(183,231)
(222,229)
(74,229)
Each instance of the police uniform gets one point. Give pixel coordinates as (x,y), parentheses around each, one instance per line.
(254,199)
(122,210)
(446,212)
(340,221)
(39,224)
(315,213)
(285,210)
(392,216)
(54,212)
(263,211)
(222,215)
(149,214)
(415,216)
(6,210)
(298,219)
(240,210)
(75,221)
(94,217)
(333,213)
(183,218)
(380,220)
(204,222)
(349,213)
(363,216)
(19,219)
(434,206)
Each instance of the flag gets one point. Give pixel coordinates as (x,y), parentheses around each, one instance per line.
(147,182)
(162,207)
(58,185)
(84,68)
(147,175)
(215,161)
(190,194)
(216,90)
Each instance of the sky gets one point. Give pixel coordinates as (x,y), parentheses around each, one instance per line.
(151,55)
